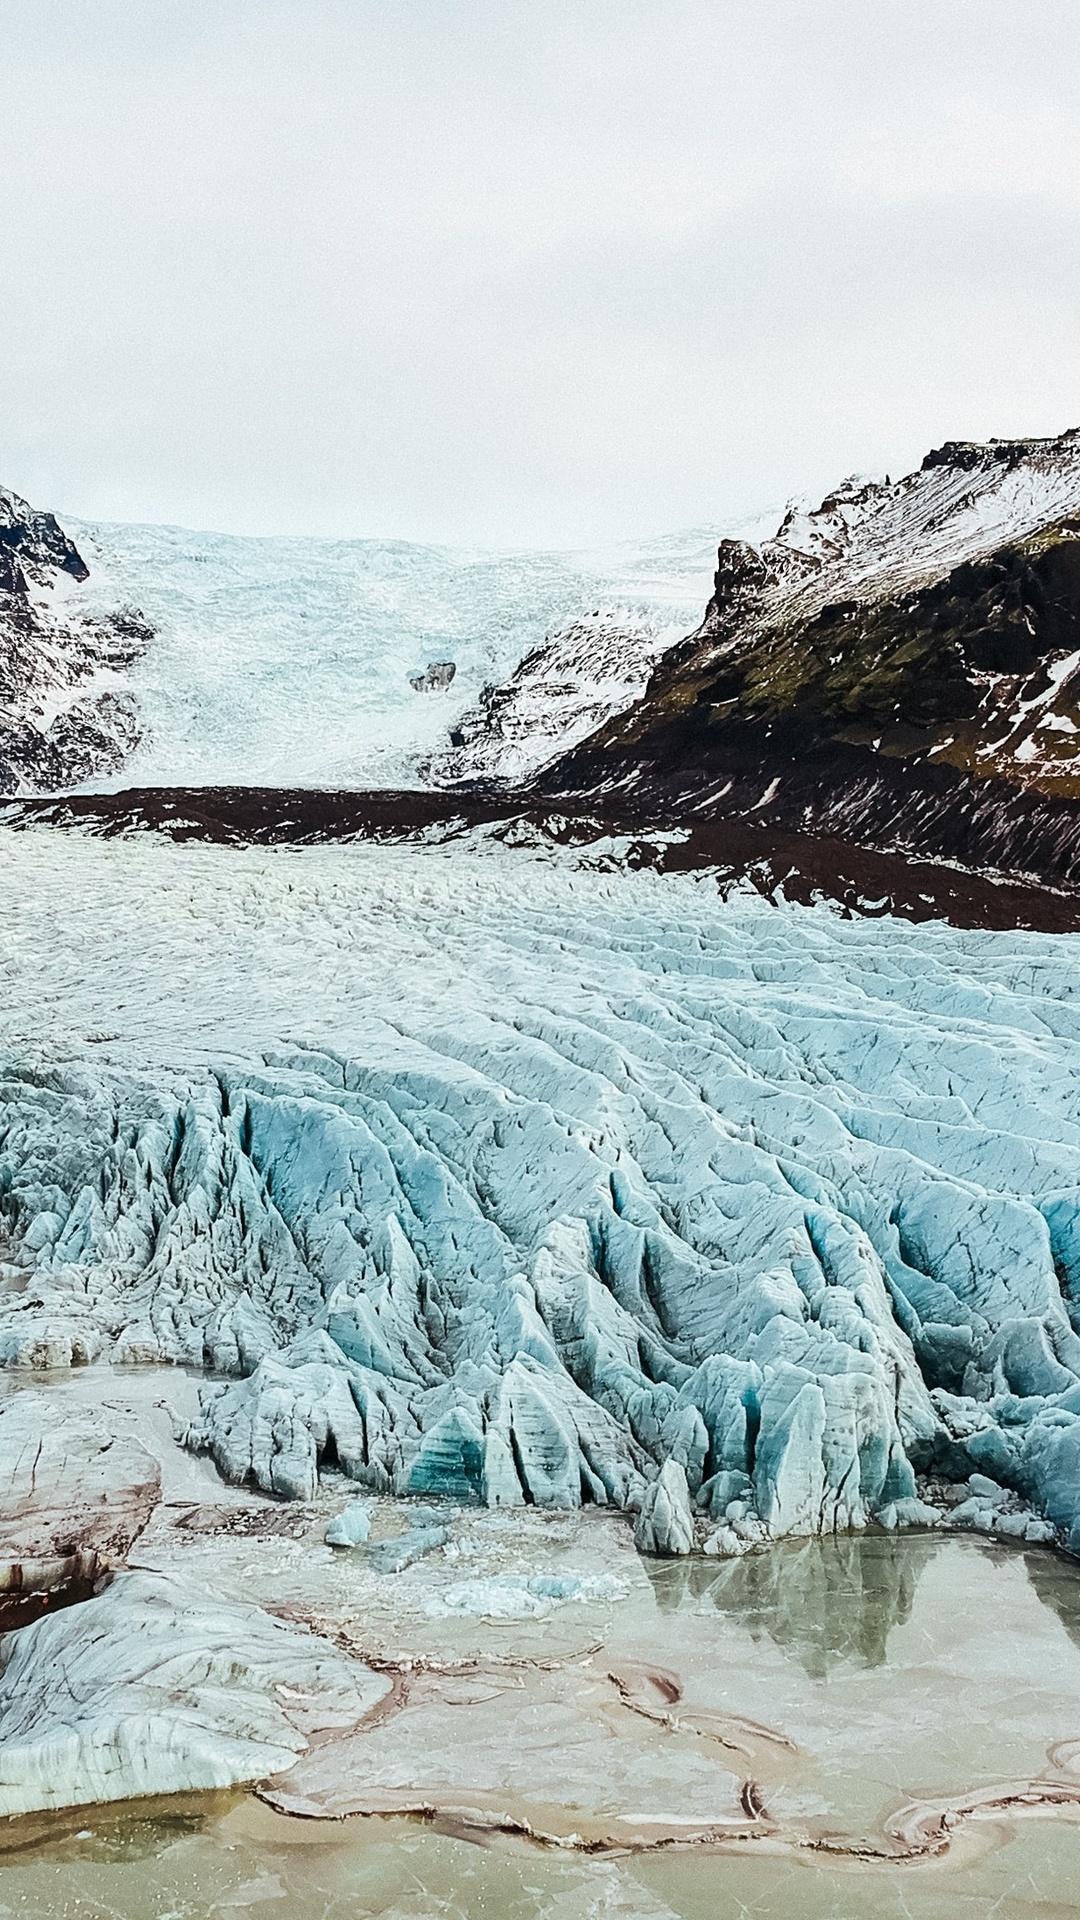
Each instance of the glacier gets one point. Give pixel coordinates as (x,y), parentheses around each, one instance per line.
(144,1690)
(500,1174)
(289,661)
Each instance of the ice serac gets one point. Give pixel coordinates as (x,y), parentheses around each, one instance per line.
(65,709)
(899,667)
(666,1522)
(503,1178)
(154,1688)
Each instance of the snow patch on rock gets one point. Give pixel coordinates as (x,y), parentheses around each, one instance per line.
(66,711)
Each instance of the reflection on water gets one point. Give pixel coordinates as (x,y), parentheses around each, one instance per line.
(1057,1583)
(125,1832)
(902,1668)
(828,1602)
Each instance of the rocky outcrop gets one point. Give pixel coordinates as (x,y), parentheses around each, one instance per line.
(65,712)
(436,677)
(900,668)
(557,695)
(34,548)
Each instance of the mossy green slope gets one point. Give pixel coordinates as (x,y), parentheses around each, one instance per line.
(975,669)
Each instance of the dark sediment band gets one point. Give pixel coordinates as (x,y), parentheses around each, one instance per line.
(800,866)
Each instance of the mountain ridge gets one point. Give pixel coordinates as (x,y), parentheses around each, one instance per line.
(900,665)
(64,711)
(896,671)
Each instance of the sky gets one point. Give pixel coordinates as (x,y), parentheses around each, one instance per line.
(525,272)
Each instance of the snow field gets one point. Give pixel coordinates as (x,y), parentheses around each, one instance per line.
(286,662)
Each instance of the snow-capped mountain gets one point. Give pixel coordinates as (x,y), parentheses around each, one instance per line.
(66,707)
(939,616)
(558,695)
(900,666)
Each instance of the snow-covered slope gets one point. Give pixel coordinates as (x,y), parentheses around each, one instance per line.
(967,499)
(288,662)
(66,709)
(594,667)
(556,697)
(494,1174)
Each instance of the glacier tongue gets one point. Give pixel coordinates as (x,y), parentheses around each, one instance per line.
(494,1176)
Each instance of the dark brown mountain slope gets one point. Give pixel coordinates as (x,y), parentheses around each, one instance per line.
(900,668)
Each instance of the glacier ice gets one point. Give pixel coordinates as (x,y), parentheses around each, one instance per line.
(666,1522)
(292,661)
(152,1687)
(350,1528)
(519,1596)
(484,1174)
(75,1495)
(393,1556)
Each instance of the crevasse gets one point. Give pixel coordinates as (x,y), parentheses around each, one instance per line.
(483,1173)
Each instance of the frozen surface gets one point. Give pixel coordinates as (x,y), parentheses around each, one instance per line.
(152,1687)
(287,662)
(76,1494)
(830,1695)
(137,1864)
(505,1179)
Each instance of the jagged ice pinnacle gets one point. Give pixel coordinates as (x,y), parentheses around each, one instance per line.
(509,1178)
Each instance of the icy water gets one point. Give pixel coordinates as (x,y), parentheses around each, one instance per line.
(916,1669)
(171,1864)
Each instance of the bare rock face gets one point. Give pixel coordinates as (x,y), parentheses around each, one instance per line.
(435,679)
(74,1498)
(33,547)
(64,711)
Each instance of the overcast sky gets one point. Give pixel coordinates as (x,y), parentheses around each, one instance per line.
(525,271)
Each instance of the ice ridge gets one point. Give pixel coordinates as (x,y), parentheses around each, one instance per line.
(495,1177)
